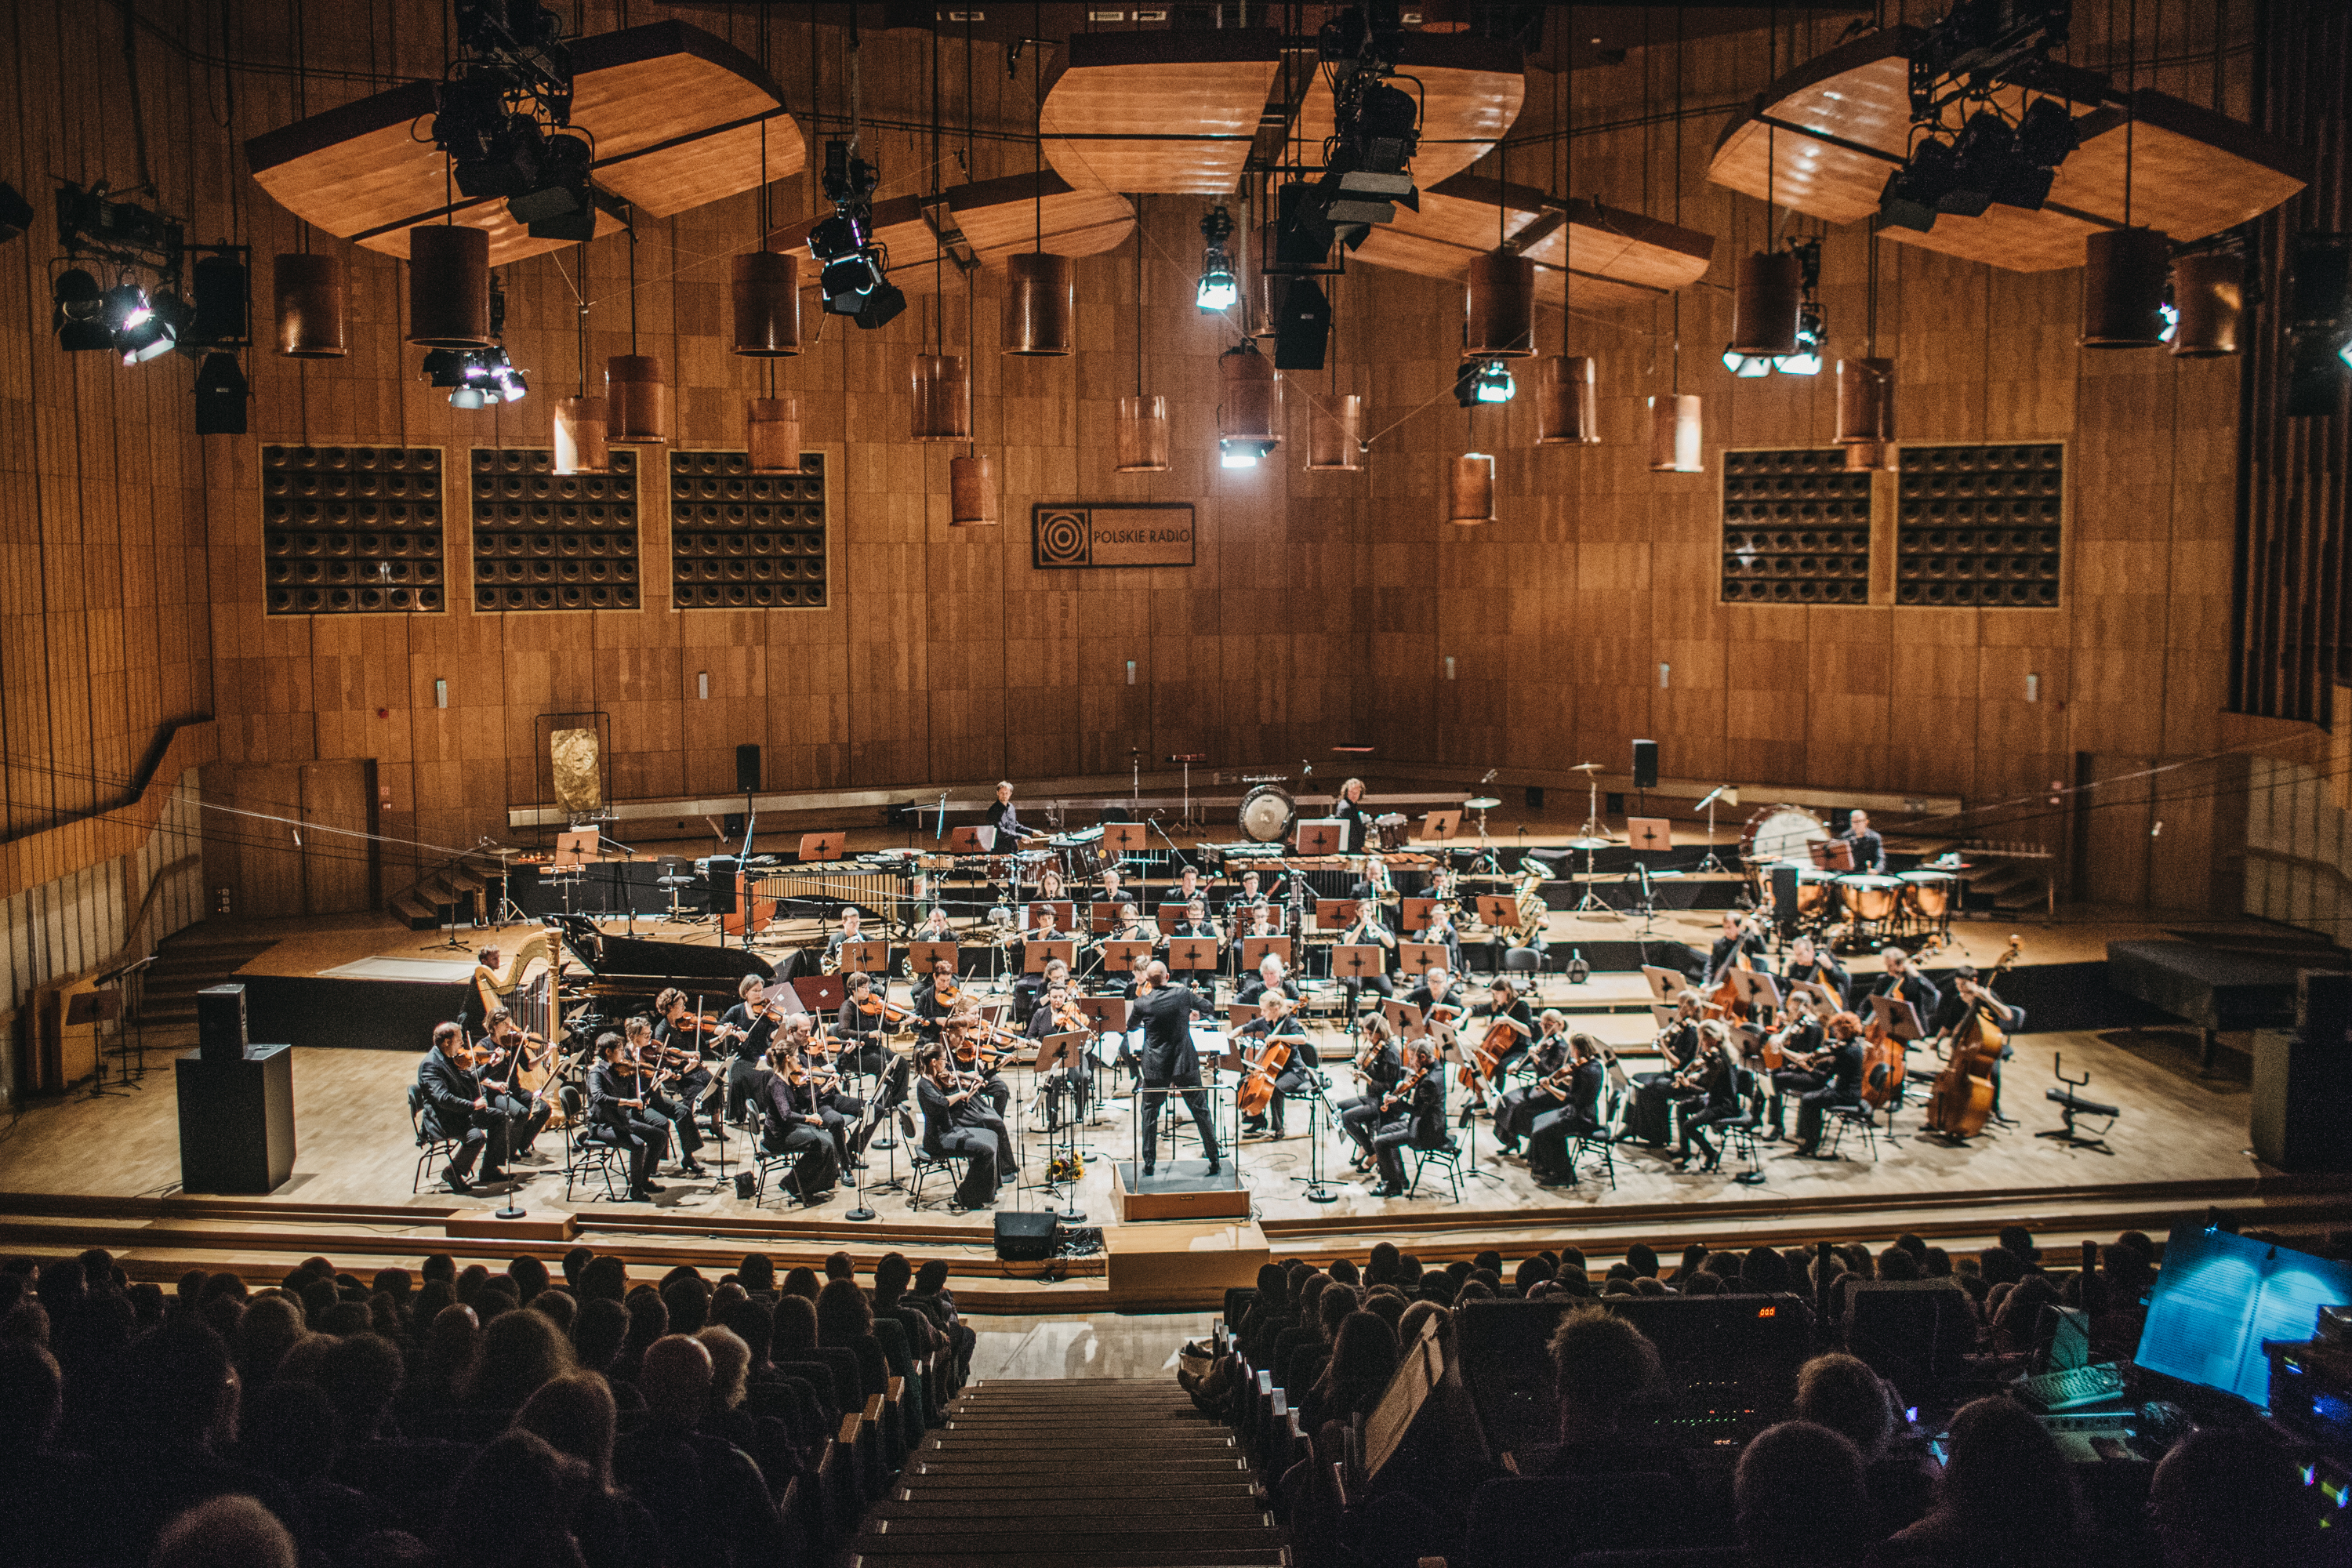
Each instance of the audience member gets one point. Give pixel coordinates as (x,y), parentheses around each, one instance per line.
(2006,1499)
(1798,1496)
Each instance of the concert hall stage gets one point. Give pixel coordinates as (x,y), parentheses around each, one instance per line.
(78,1169)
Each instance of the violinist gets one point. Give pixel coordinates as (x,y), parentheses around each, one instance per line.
(682,1034)
(859,1026)
(659,1107)
(1370,929)
(1740,937)
(1379,1065)
(1805,961)
(792,1125)
(836,1109)
(1575,1111)
(936,995)
(745,1030)
(1546,1056)
(1802,1041)
(1271,977)
(616,1103)
(969,1039)
(1277,1019)
(1413,1112)
(525,1111)
(1708,1094)
(1972,997)
(958,1125)
(1678,1045)
(1058,1013)
(1164,1014)
(1503,1008)
(1841,1087)
(456,1108)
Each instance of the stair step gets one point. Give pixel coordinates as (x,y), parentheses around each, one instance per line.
(1109,1548)
(1138,1505)
(931,1465)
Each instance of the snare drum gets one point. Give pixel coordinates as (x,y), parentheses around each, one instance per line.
(1871,898)
(1928,894)
(1387,834)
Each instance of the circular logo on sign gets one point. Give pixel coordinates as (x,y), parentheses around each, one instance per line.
(1061,538)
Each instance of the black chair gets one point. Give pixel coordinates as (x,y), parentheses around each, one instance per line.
(1862,1118)
(1538,1521)
(763,1160)
(922,1165)
(430,1145)
(1601,1140)
(587,1146)
(1448,1157)
(1740,1132)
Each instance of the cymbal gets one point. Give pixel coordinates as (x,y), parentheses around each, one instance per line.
(1592,844)
(1483,803)
(1585,768)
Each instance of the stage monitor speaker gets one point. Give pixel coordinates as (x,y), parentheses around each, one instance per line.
(747,768)
(236,1120)
(1645,764)
(220,1023)
(1302,325)
(1784,898)
(721,876)
(1026,1238)
(2300,1080)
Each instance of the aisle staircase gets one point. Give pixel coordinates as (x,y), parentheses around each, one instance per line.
(186,964)
(1107,1472)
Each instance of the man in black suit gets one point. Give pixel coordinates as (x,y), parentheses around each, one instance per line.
(456,1108)
(1738,938)
(1005,818)
(1164,1014)
(616,1103)
(1416,1115)
(1972,997)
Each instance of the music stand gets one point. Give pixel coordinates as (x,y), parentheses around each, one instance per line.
(1240,1015)
(822,845)
(1336,915)
(1125,839)
(575,852)
(1757,991)
(1830,853)
(1102,915)
(90,1009)
(1036,954)
(1496,912)
(1192,954)
(1256,948)
(1897,1017)
(1418,958)
(921,956)
(873,957)
(1648,834)
(1119,957)
(821,993)
(1322,837)
(1666,984)
(1406,1019)
(1822,997)
(1663,1014)
(1436,827)
(1067,1051)
(970,840)
(1108,1013)
(1170,916)
(1414,912)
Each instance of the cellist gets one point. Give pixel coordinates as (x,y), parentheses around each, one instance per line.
(1503,1008)
(1277,1020)
(1971,998)
(1902,978)
(1843,1058)
(1740,938)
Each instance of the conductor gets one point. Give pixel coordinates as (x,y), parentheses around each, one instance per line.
(1163,1013)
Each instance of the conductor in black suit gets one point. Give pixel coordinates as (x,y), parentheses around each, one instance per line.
(1164,1014)
(458,1110)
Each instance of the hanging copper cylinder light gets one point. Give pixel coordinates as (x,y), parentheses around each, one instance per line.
(767,299)
(1498,306)
(636,399)
(1470,489)
(2123,288)
(1862,457)
(943,398)
(1675,434)
(1568,404)
(772,434)
(580,442)
(1865,402)
(448,286)
(308,290)
(1766,295)
(971,492)
(2208,290)
(1334,435)
(1041,305)
(1142,434)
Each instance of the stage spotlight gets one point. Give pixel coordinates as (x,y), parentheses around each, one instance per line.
(74,317)
(124,307)
(220,397)
(445,368)
(1217,289)
(15,211)
(1242,452)
(1913,193)
(1483,380)
(881,306)
(155,330)
(561,203)
(1748,367)
(1806,359)
(2047,133)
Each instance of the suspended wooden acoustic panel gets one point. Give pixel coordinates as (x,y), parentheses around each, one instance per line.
(1568,404)
(1765,295)
(767,298)
(1675,434)
(308,291)
(943,398)
(448,286)
(971,492)
(580,443)
(1470,489)
(1498,306)
(1334,435)
(1865,402)
(772,434)
(2209,293)
(1142,434)
(1041,305)
(2123,272)
(636,399)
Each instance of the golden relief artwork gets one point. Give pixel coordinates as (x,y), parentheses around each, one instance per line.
(578,786)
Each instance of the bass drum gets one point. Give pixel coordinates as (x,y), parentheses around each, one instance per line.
(1780,832)
(1267,811)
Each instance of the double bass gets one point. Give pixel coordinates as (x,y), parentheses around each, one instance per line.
(1960,1103)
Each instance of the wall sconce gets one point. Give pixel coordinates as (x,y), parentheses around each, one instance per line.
(1666,675)
(1130,672)
(2034,688)
(702,684)
(440,694)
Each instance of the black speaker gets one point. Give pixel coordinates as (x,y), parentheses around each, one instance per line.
(747,768)
(1302,325)
(1026,1238)
(1534,797)
(1645,764)
(2300,1080)
(236,1118)
(721,876)
(220,1023)
(1784,898)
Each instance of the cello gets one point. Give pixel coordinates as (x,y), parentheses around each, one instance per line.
(1256,1091)
(1882,1053)
(1960,1103)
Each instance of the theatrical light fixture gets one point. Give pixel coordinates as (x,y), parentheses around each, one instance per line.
(154,331)
(1483,380)
(1774,290)
(221,391)
(124,307)
(853,272)
(1806,359)
(2318,321)
(1375,132)
(561,203)
(1748,367)
(479,378)
(74,314)
(1217,289)
(15,211)
(1242,452)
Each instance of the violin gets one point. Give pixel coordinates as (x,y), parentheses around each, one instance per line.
(1408,1084)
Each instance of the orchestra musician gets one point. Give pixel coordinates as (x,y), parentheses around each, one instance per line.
(1237,908)
(1349,808)
(1196,925)
(964,1025)
(1049,891)
(655,1106)
(935,995)
(1805,961)
(1270,977)
(935,926)
(1370,929)
(616,1103)
(1414,1113)
(1277,1019)
(1375,886)
(836,1111)
(1027,988)
(1577,1113)
(858,1030)
(746,1028)
(1514,1114)
(1442,1007)
(681,1037)
(1901,977)
(456,1108)
(1842,1054)
(1189,887)
(1164,1014)
(1005,817)
(1740,935)
(1709,1093)
(484,989)
(1442,932)
(1801,1038)
(793,1122)
(1264,920)
(1972,996)
(1678,1045)
(1504,1004)
(1058,1013)
(1869,848)
(525,1111)
(853,930)
(1378,1064)
(1115,891)
(957,1123)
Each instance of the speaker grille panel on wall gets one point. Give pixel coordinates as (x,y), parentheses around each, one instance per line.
(1979,525)
(1796,529)
(350,530)
(545,541)
(742,540)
